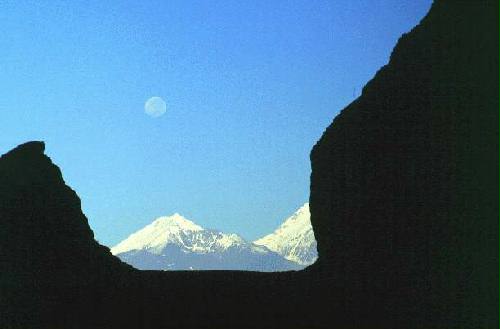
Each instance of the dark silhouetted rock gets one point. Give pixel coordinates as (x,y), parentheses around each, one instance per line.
(404,184)
(49,259)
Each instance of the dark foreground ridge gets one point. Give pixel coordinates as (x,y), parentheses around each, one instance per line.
(404,205)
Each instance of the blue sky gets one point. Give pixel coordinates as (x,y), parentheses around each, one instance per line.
(249,85)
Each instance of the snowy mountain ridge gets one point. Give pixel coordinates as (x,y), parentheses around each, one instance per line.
(294,239)
(176,243)
(180,231)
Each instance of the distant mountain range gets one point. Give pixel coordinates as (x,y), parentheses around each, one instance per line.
(176,243)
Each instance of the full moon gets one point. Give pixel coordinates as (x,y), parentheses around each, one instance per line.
(155,107)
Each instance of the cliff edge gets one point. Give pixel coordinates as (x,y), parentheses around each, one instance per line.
(404,183)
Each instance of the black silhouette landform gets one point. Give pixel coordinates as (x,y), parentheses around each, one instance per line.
(404,205)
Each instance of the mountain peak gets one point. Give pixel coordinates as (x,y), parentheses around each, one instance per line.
(302,212)
(176,220)
(32,147)
(294,239)
(300,220)
(164,230)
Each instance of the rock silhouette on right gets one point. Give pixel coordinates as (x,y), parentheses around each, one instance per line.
(404,183)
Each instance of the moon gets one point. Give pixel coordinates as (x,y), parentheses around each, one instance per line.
(155,107)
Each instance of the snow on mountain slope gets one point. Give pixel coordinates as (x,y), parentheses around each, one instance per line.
(176,243)
(156,235)
(294,239)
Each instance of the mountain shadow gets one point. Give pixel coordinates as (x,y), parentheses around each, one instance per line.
(404,207)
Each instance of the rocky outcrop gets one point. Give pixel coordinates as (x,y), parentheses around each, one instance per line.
(51,266)
(404,184)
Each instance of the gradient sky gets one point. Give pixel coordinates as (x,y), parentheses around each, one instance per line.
(250,86)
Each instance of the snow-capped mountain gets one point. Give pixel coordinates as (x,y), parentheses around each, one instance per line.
(294,239)
(176,243)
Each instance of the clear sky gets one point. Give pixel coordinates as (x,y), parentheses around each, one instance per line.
(249,86)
